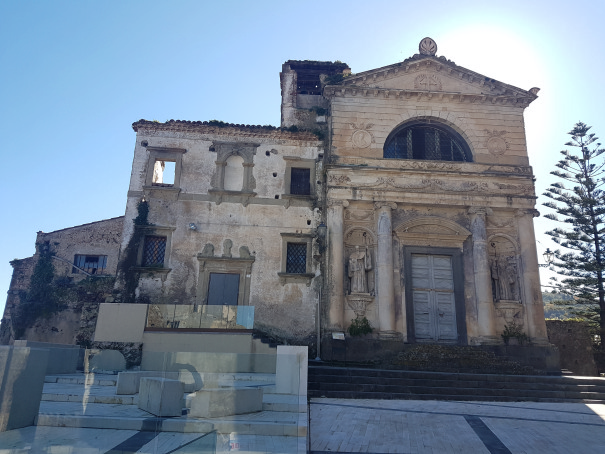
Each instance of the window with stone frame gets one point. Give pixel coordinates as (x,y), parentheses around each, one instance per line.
(426,140)
(300,181)
(296,258)
(164,167)
(299,177)
(154,251)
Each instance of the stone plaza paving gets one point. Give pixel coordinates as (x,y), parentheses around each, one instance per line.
(409,426)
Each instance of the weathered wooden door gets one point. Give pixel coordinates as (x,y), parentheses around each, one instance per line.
(433,298)
(223,289)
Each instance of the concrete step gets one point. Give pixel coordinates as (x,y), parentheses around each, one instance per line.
(82,379)
(130,417)
(360,383)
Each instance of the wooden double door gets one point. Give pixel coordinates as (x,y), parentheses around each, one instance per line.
(433,298)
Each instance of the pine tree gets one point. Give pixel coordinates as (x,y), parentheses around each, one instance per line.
(580,206)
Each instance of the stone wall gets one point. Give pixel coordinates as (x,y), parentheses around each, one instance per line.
(213,229)
(575,346)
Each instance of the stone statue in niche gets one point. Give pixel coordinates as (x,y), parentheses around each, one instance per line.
(505,285)
(360,262)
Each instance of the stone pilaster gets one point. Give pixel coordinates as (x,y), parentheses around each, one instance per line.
(483,284)
(335,221)
(532,294)
(384,269)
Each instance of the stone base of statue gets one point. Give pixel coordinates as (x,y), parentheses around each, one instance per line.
(359,302)
(511,311)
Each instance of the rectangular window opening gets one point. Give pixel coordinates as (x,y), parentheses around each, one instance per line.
(296,258)
(92,264)
(163,173)
(154,249)
(300,181)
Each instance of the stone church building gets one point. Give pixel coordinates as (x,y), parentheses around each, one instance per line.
(401,194)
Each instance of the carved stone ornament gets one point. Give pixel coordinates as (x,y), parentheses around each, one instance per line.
(510,311)
(339,179)
(427,46)
(359,302)
(359,215)
(362,137)
(429,82)
(495,143)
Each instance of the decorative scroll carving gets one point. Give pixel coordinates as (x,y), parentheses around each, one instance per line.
(359,303)
(379,205)
(432,231)
(339,179)
(525,189)
(336,203)
(360,262)
(429,82)
(359,215)
(427,184)
(500,223)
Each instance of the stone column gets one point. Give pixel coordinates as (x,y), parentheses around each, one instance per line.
(483,283)
(531,291)
(384,269)
(335,221)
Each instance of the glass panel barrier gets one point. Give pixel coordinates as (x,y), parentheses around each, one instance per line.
(182,316)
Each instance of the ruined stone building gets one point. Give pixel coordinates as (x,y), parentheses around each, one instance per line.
(402,194)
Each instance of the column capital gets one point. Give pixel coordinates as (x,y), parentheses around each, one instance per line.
(379,205)
(533,212)
(481,211)
(338,203)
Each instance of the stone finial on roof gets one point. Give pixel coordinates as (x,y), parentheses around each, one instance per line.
(427,46)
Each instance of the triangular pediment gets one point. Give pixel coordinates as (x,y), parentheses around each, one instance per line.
(429,74)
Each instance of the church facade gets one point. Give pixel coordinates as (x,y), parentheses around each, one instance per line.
(402,195)
(401,198)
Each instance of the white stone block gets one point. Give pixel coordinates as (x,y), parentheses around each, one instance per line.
(161,396)
(291,370)
(218,402)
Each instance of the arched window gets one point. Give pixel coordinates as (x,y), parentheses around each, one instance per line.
(428,141)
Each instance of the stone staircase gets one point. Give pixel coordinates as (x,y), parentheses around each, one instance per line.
(365,383)
(90,400)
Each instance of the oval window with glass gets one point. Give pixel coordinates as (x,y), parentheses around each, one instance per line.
(427,141)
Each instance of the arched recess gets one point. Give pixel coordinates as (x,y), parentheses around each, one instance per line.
(504,262)
(431,231)
(364,239)
(234,153)
(453,124)
(234,173)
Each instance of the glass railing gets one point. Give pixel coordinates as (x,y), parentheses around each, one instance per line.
(181,316)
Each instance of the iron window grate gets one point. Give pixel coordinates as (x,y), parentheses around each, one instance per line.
(425,142)
(296,261)
(92,264)
(154,249)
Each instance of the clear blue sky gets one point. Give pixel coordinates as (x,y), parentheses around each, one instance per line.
(74,75)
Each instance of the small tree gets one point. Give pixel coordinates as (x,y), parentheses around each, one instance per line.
(581,208)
